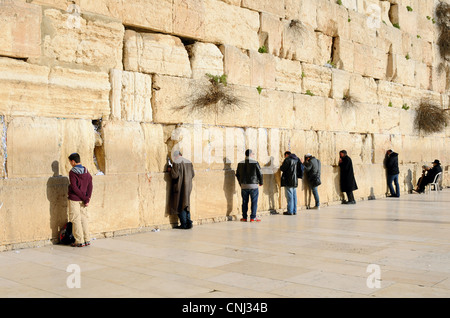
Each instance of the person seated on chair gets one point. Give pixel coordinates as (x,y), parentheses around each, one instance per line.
(429,177)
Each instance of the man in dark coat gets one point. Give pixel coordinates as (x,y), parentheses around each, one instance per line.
(430,176)
(391,164)
(291,170)
(249,176)
(182,173)
(347,178)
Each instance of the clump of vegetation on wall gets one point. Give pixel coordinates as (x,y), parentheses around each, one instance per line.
(215,96)
(349,100)
(430,118)
(443,22)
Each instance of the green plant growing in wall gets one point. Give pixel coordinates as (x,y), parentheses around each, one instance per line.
(405,106)
(407,56)
(308,92)
(263,49)
(303,74)
(409,8)
(259,89)
(396,25)
(349,100)
(339,2)
(430,118)
(390,104)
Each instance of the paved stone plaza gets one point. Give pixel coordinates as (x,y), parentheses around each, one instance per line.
(339,251)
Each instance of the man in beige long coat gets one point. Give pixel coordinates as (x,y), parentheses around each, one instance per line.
(182,173)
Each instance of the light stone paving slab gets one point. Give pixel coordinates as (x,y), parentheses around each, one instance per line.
(324,253)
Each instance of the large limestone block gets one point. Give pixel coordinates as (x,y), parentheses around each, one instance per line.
(32,145)
(358,146)
(270,33)
(77,135)
(363,89)
(262,68)
(288,76)
(21,29)
(339,117)
(389,120)
(124,147)
(229,24)
(344,54)
(403,71)
(423,74)
(247,114)
(154,196)
(170,108)
(324,49)
(150,14)
(221,189)
(407,20)
(188,18)
(269,6)
(155,148)
(317,79)
(305,11)
(310,112)
(32,90)
(299,42)
(340,83)
(366,115)
(236,65)
(328,153)
(114,204)
(206,58)
(131,95)
(92,42)
(304,141)
(361,31)
(279,103)
(332,19)
(390,93)
(36,204)
(155,53)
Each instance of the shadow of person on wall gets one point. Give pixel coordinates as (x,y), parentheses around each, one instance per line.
(408,181)
(229,185)
(173,218)
(270,185)
(57,186)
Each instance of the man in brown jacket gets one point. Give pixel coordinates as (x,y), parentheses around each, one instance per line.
(182,173)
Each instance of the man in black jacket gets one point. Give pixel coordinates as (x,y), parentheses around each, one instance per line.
(391,164)
(249,176)
(347,177)
(429,177)
(291,171)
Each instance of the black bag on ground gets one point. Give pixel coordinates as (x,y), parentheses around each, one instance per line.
(66,236)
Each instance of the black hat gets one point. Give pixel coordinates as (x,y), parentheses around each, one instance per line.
(436,162)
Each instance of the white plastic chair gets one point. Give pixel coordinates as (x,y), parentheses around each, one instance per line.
(435,184)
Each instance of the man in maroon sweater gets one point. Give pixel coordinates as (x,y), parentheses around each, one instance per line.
(80,191)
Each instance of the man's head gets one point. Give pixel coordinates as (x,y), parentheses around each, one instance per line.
(436,162)
(389,152)
(74,159)
(308,156)
(342,153)
(249,153)
(287,154)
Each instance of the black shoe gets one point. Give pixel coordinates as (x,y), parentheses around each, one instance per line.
(287,213)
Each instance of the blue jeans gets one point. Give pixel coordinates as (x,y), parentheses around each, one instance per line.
(316,195)
(393,178)
(247,195)
(291,197)
(185,219)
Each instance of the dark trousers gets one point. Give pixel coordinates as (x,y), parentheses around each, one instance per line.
(249,195)
(185,219)
(350,196)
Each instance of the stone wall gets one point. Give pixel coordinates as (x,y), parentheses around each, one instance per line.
(113,80)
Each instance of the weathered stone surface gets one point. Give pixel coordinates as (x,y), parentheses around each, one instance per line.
(236,65)
(317,79)
(90,42)
(309,112)
(170,108)
(124,147)
(305,11)
(21,29)
(229,24)
(206,58)
(407,20)
(280,103)
(32,90)
(288,76)
(298,41)
(262,70)
(155,53)
(155,148)
(189,18)
(153,14)
(32,138)
(344,54)
(131,95)
(270,34)
(273,7)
